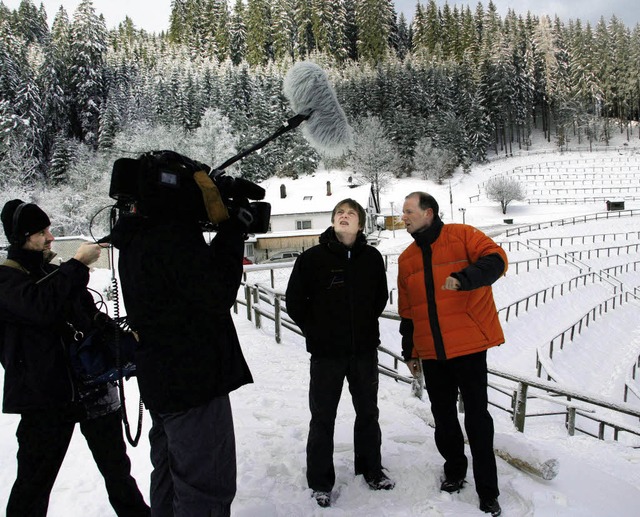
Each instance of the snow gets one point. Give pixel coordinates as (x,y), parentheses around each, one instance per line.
(594,478)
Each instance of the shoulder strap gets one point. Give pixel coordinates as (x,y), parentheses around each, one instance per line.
(15,265)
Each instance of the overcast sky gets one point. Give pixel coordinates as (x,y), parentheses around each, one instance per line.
(153,15)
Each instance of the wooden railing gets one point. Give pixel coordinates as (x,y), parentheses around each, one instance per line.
(540,297)
(604,252)
(540,262)
(630,385)
(572,220)
(585,239)
(568,335)
(265,302)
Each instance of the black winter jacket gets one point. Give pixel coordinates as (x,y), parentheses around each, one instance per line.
(178,292)
(336,295)
(34,334)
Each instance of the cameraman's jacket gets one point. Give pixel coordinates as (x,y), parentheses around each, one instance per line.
(442,324)
(178,292)
(34,333)
(336,295)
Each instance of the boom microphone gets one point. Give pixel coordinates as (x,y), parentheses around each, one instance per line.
(309,93)
(308,90)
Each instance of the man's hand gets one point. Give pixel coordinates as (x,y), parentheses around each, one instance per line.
(414,367)
(88,253)
(451,284)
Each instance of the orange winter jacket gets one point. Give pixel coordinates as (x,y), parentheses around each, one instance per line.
(447,324)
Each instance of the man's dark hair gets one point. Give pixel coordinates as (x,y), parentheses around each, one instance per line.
(426,201)
(352,203)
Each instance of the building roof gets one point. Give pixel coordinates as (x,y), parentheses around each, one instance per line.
(308,194)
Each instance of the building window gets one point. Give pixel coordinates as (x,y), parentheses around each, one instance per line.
(303,225)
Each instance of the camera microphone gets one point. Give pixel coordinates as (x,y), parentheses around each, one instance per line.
(238,187)
(309,93)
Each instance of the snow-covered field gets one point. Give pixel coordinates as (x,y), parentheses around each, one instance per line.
(595,478)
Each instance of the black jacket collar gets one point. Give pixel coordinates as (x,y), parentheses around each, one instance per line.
(330,239)
(429,235)
(28,259)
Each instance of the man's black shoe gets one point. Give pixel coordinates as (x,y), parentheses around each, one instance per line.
(491,506)
(379,481)
(452,485)
(322,498)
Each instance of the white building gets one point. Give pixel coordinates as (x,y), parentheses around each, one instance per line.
(301,210)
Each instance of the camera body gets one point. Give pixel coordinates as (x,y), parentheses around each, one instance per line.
(162,184)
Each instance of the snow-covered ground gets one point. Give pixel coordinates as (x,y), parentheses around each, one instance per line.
(595,478)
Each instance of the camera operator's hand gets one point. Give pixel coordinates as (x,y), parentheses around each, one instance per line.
(88,253)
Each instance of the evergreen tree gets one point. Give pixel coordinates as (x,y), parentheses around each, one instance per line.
(350,29)
(32,22)
(259,37)
(237,34)
(284,30)
(305,40)
(62,158)
(374,20)
(88,47)
(403,44)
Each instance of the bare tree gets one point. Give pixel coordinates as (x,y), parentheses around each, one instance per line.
(374,156)
(431,162)
(504,190)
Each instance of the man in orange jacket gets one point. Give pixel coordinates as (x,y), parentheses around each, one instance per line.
(449,320)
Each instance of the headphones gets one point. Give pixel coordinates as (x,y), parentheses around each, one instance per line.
(15,238)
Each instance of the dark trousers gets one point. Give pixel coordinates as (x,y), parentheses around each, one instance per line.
(193,453)
(43,440)
(443,379)
(325,388)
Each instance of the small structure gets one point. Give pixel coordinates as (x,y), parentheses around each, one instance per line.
(617,204)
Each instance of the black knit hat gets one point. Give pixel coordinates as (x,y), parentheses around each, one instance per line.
(21,219)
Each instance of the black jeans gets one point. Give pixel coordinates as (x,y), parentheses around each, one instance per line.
(193,453)
(325,388)
(43,440)
(469,375)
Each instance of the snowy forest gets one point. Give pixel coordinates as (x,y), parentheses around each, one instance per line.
(447,89)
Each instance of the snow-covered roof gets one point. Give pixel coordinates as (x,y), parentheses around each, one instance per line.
(308,194)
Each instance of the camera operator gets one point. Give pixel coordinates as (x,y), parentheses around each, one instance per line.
(178,292)
(38,305)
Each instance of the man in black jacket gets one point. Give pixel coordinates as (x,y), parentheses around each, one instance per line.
(336,293)
(178,292)
(41,306)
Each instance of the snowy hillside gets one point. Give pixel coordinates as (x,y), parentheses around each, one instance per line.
(595,478)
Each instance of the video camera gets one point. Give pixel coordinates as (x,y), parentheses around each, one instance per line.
(168,184)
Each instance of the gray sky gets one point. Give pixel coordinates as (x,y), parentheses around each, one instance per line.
(153,15)
(628,11)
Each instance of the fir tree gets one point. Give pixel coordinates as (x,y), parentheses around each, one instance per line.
(88,47)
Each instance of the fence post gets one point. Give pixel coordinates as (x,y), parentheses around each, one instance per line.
(520,408)
(277,316)
(571,421)
(256,300)
(247,295)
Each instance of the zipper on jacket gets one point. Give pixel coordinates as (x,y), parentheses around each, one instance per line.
(432,309)
(347,270)
(68,368)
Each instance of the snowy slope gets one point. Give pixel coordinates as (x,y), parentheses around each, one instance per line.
(595,479)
